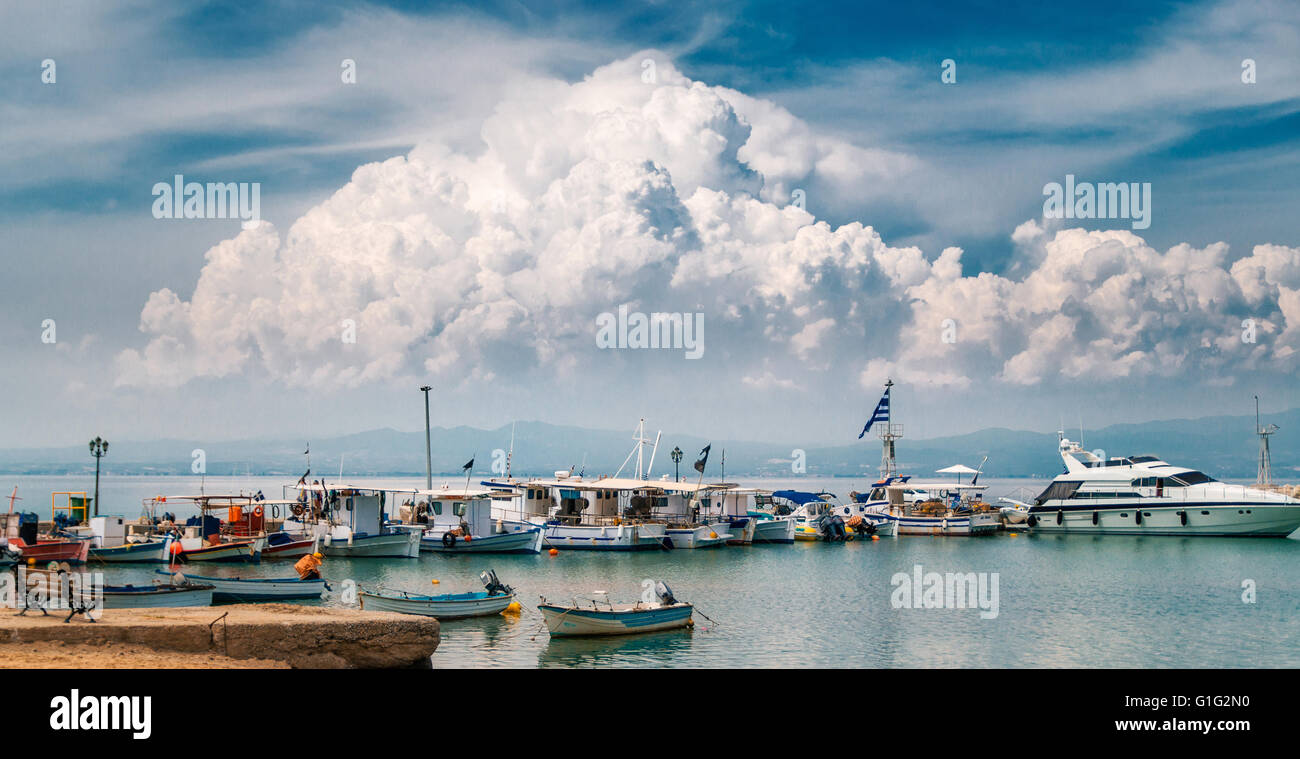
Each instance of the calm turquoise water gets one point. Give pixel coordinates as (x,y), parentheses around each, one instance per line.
(1064,601)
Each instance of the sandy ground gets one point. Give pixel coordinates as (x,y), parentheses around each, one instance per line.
(59,655)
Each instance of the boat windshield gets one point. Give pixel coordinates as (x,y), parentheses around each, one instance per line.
(1057,491)
(1190,478)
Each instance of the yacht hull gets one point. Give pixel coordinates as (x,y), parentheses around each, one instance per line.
(1223,520)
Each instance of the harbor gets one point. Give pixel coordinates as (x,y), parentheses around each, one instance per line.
(1061,600)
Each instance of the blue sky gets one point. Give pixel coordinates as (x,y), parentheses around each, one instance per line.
(1106,91)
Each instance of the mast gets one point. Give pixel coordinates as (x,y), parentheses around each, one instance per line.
(889,433)
(511,453)
(1264,475)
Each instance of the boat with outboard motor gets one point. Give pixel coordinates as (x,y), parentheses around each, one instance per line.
(495,598)
(657,610)
(1144,495)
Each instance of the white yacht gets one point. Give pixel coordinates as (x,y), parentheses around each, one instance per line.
(1143,495)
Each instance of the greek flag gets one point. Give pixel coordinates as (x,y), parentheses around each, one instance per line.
(881,414)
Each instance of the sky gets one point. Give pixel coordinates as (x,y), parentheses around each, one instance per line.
(465,195)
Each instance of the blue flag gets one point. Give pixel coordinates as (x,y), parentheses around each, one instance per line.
(881,414)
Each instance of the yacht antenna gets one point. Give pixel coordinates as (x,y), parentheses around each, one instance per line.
(1265,474)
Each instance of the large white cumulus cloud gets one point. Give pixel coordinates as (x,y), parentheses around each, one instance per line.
(674,196)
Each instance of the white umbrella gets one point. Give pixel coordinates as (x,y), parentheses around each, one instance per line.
(959,470)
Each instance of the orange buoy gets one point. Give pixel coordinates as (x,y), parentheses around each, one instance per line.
(435,581)
(554,552)
(713,536)
(875,537)
(176,547)
(468,538)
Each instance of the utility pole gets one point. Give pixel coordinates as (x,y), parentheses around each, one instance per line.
(428,445)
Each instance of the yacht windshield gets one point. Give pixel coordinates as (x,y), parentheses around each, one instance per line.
(1057,490)
(1191,478)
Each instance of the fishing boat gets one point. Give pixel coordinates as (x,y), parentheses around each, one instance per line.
(921,509)
(250,589)
(71,551)
(460,521)
(350,522)
(494,599)
(156,596)
(659,611)
(144,551)
(1144,495)
(758,506)
(821,517)
(109,542)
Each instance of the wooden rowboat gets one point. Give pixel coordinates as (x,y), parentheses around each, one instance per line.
(604,618)
(156,596)
(248,589)
(493,600)
(72,551)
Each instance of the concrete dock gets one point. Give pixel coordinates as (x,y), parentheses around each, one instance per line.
(255,635)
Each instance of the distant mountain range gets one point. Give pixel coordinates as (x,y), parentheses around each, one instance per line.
(1223,446)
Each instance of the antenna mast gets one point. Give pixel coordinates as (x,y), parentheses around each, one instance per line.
(1265,474)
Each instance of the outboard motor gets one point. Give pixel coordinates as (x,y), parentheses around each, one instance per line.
(664,593)
(493,585)
(833,527)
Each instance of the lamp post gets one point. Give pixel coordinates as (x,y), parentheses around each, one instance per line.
(98,449)
(428,448)
(677,459)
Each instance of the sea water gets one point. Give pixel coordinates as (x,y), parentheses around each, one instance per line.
(1062,601)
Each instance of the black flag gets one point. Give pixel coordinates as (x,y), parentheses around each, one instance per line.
(468,465)
(704,459)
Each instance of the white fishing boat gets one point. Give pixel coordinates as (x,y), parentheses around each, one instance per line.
(250,589)
(759,507)
(494,599)
(460,520)
(598,616)
(1144,495)
(350,522)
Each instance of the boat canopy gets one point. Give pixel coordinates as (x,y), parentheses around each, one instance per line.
(801,497)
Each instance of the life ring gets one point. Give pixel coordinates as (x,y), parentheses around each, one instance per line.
(257,511)
(448,539)
(298,509)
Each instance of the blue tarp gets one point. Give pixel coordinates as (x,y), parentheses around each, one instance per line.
(801,497)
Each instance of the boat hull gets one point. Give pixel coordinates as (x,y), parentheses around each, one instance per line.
(452,606)
(524,541)
(152,551)
(241,590)
(249,550)
(155,597)
(71,551)
(564,621)
(1211,520)
(292,550)
(979,523)
(397,545)
(774,531)
(702,536)
(621,537)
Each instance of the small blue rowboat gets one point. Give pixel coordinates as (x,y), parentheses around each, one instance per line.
(494,600)
(617,619)
(152,550)
(156,596)
(249,590)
